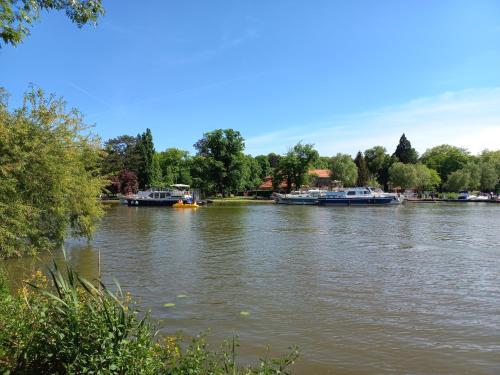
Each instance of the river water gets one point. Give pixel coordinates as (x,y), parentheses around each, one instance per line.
(361,290)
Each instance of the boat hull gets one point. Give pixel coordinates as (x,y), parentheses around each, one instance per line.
(369,201)
(152,202)
(298,201)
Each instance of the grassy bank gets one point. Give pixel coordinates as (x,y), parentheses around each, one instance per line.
(64,324)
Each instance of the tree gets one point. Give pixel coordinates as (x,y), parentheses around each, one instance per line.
(17,16)
(489,177)
(363,174)
(458,180)
(175,166)
(120,153)
(145,168)
(265,166)
(344,169)
(445,159)
(223,153)
(156,177)
(294,166)
(49,181)
(404,152)
(274,159)
(402,175)
(128,182)
(323,162)
(251,173)
(425,178)
(374,158)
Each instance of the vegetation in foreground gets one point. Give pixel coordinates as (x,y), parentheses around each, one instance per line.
(67,325)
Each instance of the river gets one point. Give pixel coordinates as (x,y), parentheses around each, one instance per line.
(361,290)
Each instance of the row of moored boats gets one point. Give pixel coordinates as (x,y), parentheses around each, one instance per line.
(345,197)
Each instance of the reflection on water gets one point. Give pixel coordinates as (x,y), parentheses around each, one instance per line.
(361,290)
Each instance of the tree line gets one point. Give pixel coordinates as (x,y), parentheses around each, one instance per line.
(220,166)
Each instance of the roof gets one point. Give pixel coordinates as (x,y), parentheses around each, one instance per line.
(323,173)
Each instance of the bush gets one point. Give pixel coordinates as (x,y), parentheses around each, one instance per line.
(67,325)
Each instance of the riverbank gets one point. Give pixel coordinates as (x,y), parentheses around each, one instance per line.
(238,200)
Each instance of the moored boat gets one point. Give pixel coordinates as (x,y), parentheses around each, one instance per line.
(309,197)
(358,196)
(161,196)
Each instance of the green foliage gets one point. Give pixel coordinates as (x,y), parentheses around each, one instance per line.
(222,152)
(323,162)
(404,152)
(265,166)
(175,166)
(445,159)
(363,173)
(147,170)
(293,167)
(251,173)
(73,326)
(17,16)
(344,169)
(425,178)
(274,159)
(402,175)
(458,180)
(121,153)
(49,178)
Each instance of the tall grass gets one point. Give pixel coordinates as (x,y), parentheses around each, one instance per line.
(64,324)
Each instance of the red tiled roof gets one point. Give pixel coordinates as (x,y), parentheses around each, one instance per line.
(323,173)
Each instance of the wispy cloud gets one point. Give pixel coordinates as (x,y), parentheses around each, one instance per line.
(468,118)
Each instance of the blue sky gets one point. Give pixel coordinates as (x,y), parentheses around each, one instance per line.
(345,75)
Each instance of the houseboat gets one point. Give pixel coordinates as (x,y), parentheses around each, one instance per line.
(358,196)
(161,196)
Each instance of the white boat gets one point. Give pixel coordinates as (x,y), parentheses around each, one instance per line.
(465,196)
(358,196)
(161,196)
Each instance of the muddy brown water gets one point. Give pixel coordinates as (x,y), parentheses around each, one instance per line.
(361,290)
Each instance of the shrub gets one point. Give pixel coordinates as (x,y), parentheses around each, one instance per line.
(67,325)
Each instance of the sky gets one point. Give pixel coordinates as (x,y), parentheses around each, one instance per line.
(344,75)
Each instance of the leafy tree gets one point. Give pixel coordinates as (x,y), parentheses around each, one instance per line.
(445,159)
(17,16)
(251,173)
(375,158)
(404,152)
(323,162)
(49,178)
(344,169)
(199,167)
(425,178)
(128,182)
(120,153)
(223,153)
(293,167)
(156,178)
(363,173)
(175,166)
(145,169)
(403,175)
(265,166)
(489,177)
(274,159)
(458,180)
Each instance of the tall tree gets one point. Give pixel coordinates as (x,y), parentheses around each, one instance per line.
(223,151)
(294,166)
(363,173)
(404,152)
(274,159)
(120,153)
(344,169)
(145,169)
(17,16)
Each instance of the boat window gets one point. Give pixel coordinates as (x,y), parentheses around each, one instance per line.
(366,192)
(152,195)
(351,193)
(162,195)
